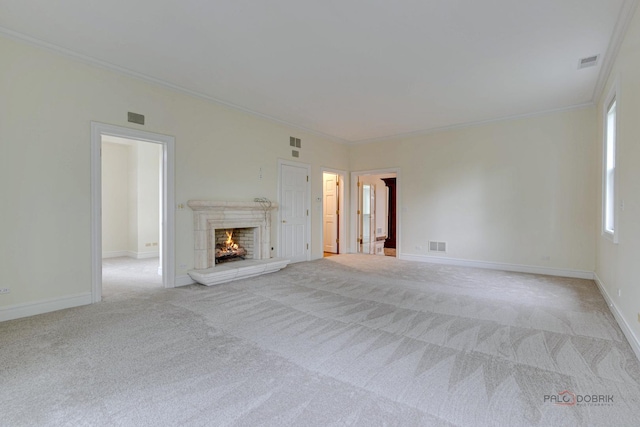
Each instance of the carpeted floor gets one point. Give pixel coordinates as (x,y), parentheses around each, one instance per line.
(345,340)
(124,275)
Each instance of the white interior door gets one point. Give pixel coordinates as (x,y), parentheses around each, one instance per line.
(294,212)
(368,219)
(330,209)
(372,219)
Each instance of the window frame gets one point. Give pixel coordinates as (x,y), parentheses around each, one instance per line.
(609,175)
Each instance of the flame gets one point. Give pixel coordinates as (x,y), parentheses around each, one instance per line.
(230,244)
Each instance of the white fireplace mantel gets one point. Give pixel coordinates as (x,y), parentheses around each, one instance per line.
(209,215)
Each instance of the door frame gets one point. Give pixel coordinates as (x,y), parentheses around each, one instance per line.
(343,208)
(168,200)
(353,229)
(307,236)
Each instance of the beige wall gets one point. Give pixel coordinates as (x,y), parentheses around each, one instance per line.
(511,192)
(130,199)
(146,188)
(617,264)
(115,199)
(48,102)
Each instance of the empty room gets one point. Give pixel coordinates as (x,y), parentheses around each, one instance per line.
(354,213)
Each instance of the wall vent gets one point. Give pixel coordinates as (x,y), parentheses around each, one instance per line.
(588,62)
(135,118)
(295,142)
(437,246)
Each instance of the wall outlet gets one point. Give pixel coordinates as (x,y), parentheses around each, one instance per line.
(154,244)
(180,206)
(619,292)
(418,248)
(546,258)
(7,290)
(182,265)
(638,317)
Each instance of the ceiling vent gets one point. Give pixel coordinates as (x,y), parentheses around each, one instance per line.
(590,61)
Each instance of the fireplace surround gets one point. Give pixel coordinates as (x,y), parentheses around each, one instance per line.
(211,217)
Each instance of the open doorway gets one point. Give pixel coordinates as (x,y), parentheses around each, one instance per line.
(376,219)
(132,221)
(332,212)
(131,215)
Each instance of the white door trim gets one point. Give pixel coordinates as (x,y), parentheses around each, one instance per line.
(344,209)
(308,203)
(168,202)
(353,229)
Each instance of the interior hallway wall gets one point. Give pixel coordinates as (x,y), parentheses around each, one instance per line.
(130,199)
(115,199)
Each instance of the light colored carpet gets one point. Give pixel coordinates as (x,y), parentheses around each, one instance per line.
(124,275)
(345,340)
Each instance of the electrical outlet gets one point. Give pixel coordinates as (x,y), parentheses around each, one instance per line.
(638,317)
(418,248)
(546,258)
(183,266)
(7,290)
(619,292)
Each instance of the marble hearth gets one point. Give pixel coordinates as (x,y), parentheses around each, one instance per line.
(210,216)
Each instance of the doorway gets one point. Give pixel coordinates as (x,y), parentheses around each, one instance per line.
(132,217)
(131,214)
(375,219)
(333,212)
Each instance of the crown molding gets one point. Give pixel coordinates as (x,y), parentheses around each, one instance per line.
(472,124)
(617,37)
(89,60)
(624,18)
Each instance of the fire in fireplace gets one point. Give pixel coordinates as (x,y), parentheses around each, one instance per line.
(229,250)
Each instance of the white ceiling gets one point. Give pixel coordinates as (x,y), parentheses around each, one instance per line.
(355,70)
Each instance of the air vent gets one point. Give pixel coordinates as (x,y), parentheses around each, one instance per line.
(295,142)
(437,246)
(588,62)
(135,118)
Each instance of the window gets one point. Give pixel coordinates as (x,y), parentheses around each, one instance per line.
(609,196)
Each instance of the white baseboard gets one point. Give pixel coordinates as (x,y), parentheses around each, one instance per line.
(131,254)
(184,281)
(145,255)
(43,306)
(634,342)
(115,254)
(580,274)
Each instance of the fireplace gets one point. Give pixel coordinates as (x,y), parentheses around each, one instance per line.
(249,224)
(233,245)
